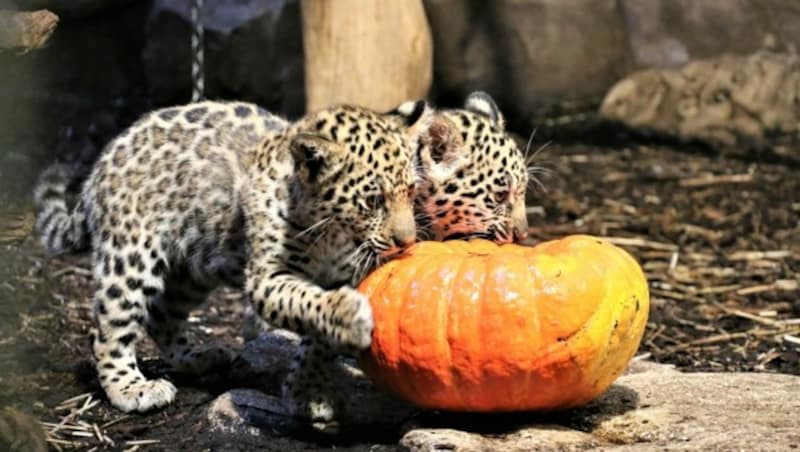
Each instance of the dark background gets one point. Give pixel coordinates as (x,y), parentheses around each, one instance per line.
(111,60)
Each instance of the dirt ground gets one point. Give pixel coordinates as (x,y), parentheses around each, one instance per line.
(718,237)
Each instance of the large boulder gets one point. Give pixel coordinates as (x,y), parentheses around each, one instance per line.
(669,33)
(555,59)
(532,55)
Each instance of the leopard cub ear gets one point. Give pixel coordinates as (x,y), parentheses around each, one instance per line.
(410,112)
(415,117)
(442,151)
(481,103)
(313,156)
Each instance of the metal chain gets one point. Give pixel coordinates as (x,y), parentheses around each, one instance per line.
(198,75)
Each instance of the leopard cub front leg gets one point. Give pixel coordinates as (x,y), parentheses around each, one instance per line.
(347,328)
(349,320)
(309,388)
(334,322)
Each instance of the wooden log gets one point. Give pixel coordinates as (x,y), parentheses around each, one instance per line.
(26,31)
(374,53)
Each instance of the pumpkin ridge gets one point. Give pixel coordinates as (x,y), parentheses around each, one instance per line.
(382,287)
(482,315)
(446,331)
(423,271)
(536,321)
(442,306)
(604,277)
(550,352)
(633,278)
(615,309)
(518,304)
(565,347)
(618,341)
(496,365)
(408,385)
(467,356)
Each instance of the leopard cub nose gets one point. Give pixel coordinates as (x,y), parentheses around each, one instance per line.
(520,234)
(403,240)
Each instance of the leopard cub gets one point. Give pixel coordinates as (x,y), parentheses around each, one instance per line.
(211,193)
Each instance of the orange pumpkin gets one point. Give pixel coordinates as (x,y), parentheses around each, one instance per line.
(474,326)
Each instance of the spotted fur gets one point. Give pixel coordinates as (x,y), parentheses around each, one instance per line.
(475,176)
(213,193)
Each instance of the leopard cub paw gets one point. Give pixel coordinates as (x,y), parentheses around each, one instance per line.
(351,319)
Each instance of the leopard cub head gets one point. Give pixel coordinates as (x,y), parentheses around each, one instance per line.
(357,173)
(474,176)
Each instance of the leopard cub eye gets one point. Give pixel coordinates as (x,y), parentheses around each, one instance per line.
(503,193)
(501,196)
(375,201)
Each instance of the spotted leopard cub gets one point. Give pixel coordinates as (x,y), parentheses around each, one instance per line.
(192,197)
(475,176)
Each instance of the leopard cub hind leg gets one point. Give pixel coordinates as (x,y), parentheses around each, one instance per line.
(136,296)
(125,286)
(166,324)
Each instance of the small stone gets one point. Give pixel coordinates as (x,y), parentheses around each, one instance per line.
(250,412)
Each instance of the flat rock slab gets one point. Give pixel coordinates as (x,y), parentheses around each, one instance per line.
(655,406)
(651,406)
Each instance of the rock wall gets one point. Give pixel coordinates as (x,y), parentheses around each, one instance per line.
(668,33)
(535,56)
(550,57)
(545,61)
(67,99)
(531,55)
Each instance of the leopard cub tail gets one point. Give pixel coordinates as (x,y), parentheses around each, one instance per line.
(60,230)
